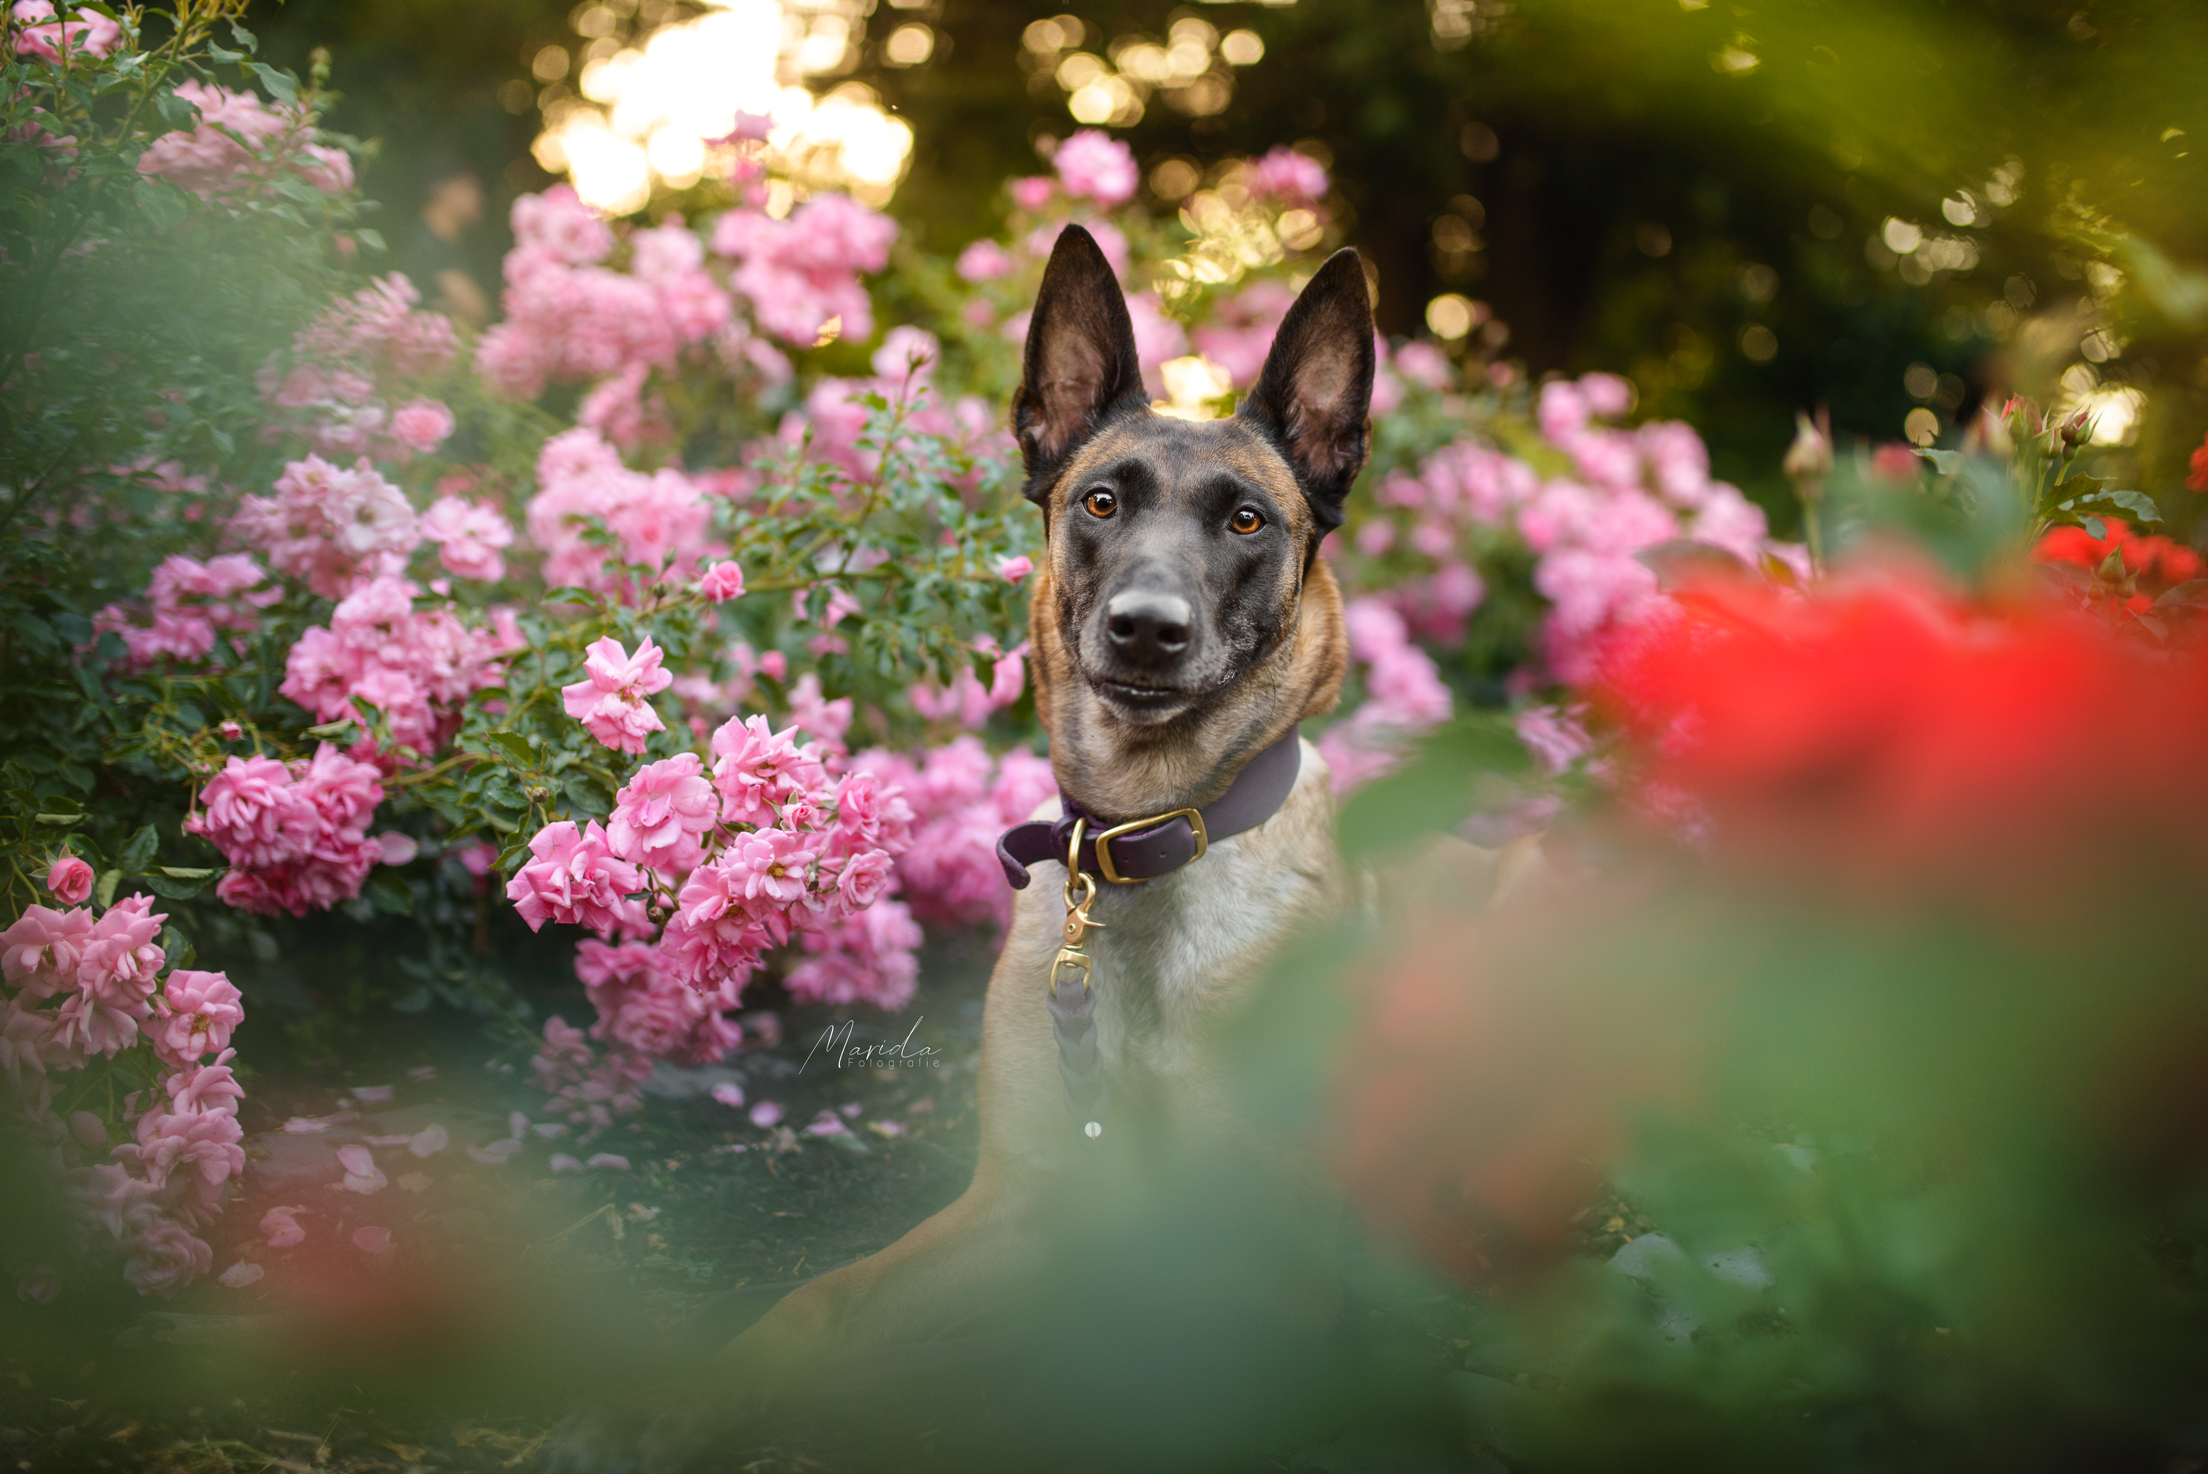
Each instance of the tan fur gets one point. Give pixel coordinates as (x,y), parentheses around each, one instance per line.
(1177,959)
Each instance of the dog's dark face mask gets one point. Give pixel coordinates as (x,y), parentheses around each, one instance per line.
(1180,550)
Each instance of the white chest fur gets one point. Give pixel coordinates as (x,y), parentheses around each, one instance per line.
(1176,956)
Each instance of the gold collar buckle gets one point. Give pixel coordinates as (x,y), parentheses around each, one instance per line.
(1104,844)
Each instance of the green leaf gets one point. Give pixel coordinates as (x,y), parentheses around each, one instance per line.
(2193,595)
(173,889)
(183,872)
(106,888)
(516,747)
(65,820)
(139,852)
(2095,528)
(2060,497)
(244,37)
(1946,462)
(2138,503)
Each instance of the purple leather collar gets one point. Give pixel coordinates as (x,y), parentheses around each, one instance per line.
(1148,848)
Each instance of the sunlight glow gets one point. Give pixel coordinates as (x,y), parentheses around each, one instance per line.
(656,112)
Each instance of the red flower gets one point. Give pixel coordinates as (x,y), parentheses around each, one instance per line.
(2198,480)
(1889,737)
(2157,562)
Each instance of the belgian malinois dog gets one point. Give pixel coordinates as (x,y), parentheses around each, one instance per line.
(1182,626)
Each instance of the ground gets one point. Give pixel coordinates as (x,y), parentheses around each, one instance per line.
(513,1293)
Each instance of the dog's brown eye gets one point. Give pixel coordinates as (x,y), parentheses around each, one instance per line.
(1100,503)
(1246,520)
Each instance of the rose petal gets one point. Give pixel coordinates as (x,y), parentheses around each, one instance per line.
(429,1141)
(562,1162)
(766,1113)
(373,1094)
(241,1274)
(372,1240)
(609,1161)
(728,1093)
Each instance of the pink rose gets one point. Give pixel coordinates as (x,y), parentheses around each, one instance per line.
(1033,192)
(422,425)
(574,878)
(90,34)
(662,816)
(40,952)
(70,880)
(1012,570)
(1094,164)
(470,536)
(611,699)
(983,261)
(197,1012)
(722,582)
(166,1258)
(863,878)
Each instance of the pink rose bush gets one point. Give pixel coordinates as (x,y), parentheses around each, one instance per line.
(295,834)
(415,667)
(587,497)
(350,366)
(78,986)
(237,142)
(194,604)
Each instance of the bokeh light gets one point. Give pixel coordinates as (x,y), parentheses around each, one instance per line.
(656,111)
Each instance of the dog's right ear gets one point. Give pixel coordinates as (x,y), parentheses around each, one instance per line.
(1081,365)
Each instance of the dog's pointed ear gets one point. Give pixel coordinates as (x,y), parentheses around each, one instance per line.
(1081,363)
(1314,396)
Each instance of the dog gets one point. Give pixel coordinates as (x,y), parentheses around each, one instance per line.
(1183,624)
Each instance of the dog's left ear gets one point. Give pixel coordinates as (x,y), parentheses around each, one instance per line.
(1314,397)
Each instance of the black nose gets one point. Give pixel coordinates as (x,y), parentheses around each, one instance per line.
(1148,628)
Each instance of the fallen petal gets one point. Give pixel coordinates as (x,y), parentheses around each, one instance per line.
(516,1123)
(388,1140)
(372,1240)
(304,1126)
(373,1094)
(562,1162)
(729,1093)
(549,1129)
(241,1274)
(429,1141)
(766,1113)
(357,1160)
(609,1161)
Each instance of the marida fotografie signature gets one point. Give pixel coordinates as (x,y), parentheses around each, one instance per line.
(835,1042)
